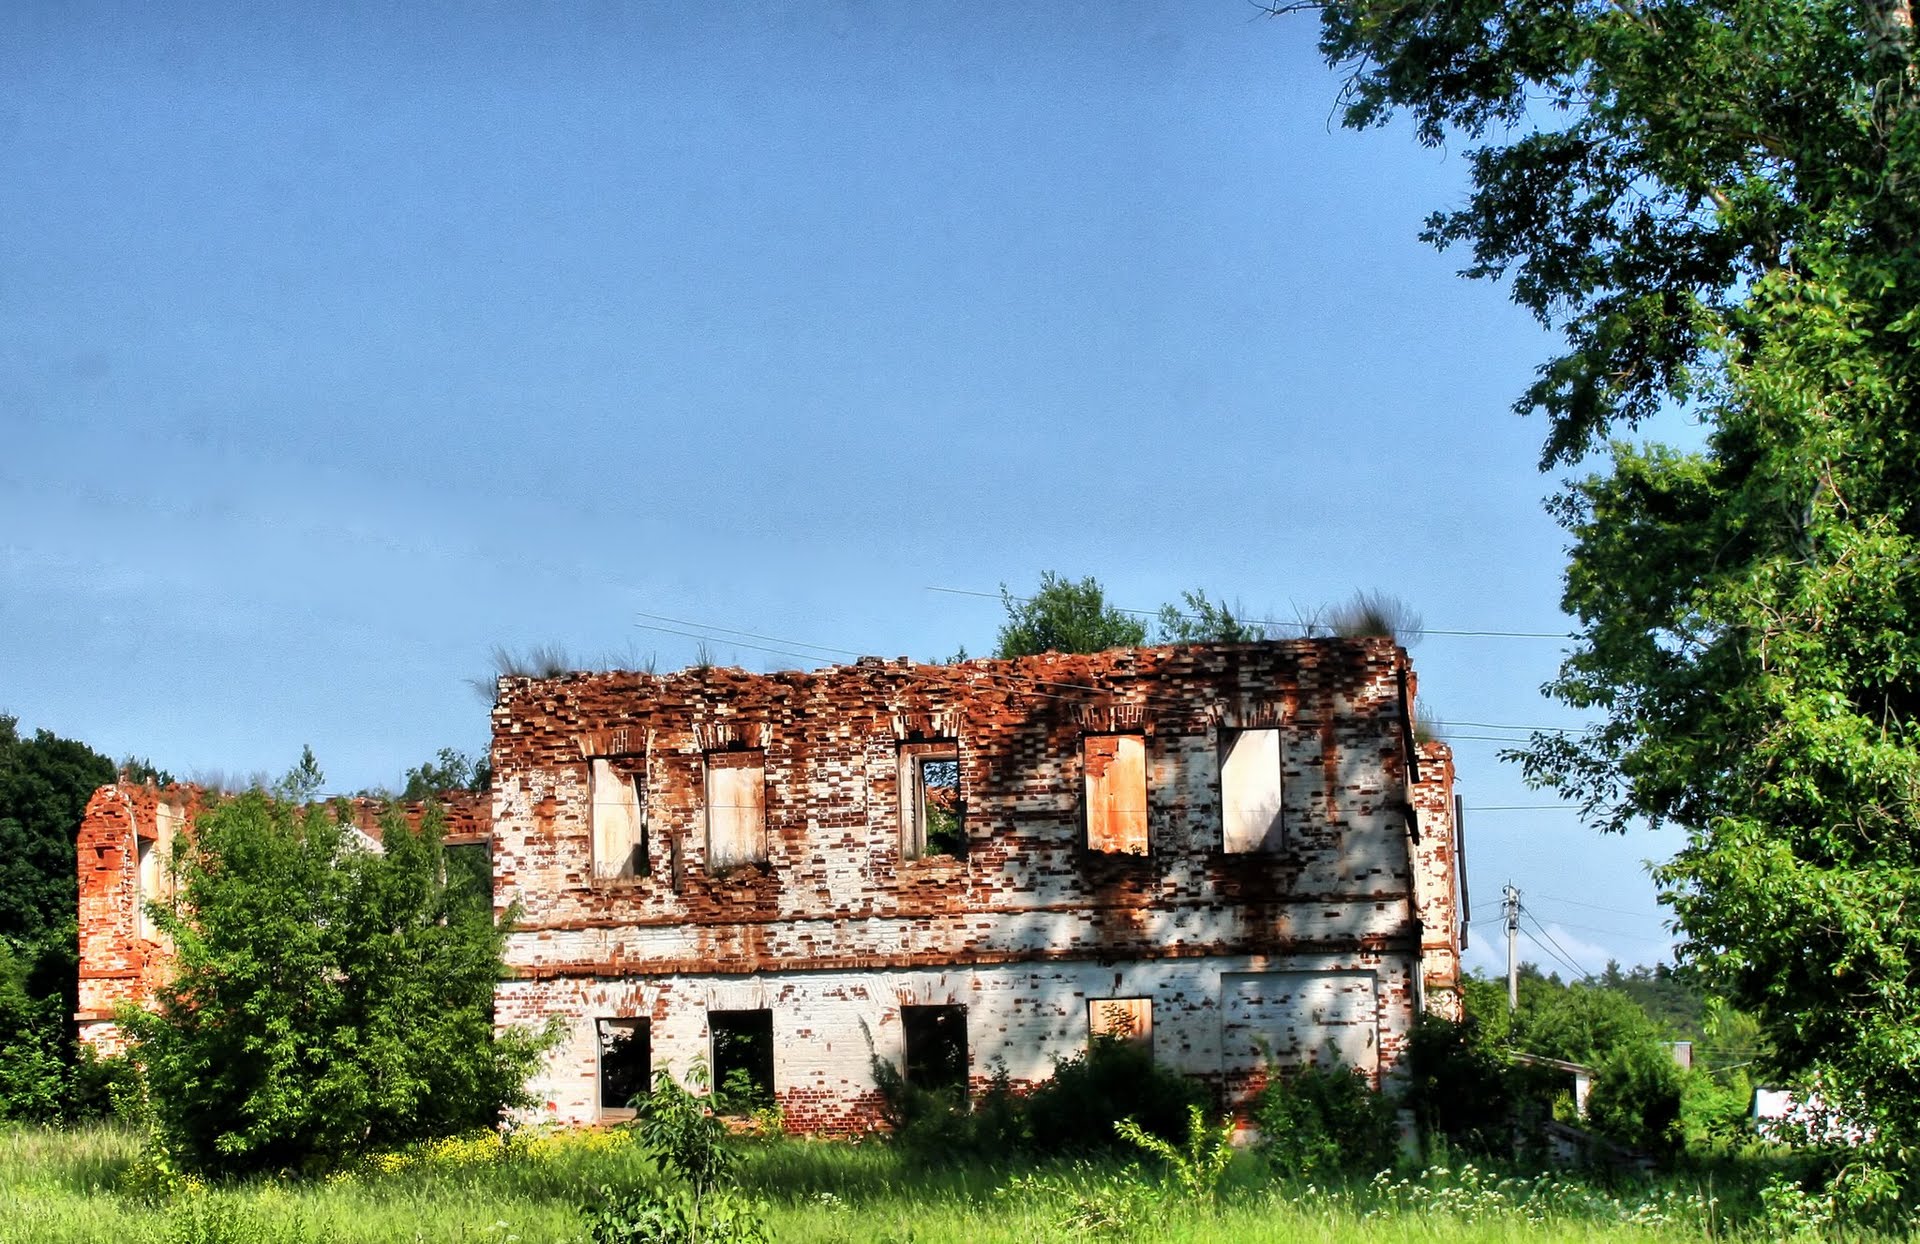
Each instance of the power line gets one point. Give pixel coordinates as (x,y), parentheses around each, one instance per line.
(1521,807)
(1618,911)
(791,643)
(1562,949)
(1594,928)
(1551,954)
(1269,622)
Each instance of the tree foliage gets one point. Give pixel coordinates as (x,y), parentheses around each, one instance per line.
(326,996)
(1065,616)
(1715,201)
(45,782)
(450,770)
(1198,620)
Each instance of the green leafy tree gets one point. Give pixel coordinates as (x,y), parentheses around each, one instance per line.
(326,997)
(1715,201)
(1198,620)
(1065,616)
(450,770)
(45,782)
(35,1062)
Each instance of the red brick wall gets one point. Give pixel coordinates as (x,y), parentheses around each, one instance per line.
(120,965)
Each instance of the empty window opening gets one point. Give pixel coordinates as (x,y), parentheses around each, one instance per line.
(469,868)
(936,1046)
(1116,793)
(626,1065)
(1250,791)
(736,809)
(154,868)
(619,824)
(932,816)
(742,1059)
(1127,1021)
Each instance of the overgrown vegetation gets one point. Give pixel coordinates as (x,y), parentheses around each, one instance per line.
(1320,1122)
(45,782)
(1074,1111)
(72,1188)
(1715,202)
(326,998)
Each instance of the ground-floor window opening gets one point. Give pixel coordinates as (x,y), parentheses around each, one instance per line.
(742,1059)
(626,1065)
(936,1041)
(1128,1021)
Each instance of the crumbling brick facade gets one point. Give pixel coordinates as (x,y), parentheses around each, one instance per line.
(125,847)
(1236,853)
(1240,849)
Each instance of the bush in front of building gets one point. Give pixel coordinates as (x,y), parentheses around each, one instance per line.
(1116,1078)
(1317,1122)
(327,998)
(1073,1111)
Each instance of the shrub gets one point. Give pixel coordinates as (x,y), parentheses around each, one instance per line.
(1636,1098)
(325,998)
(1076,1110)
(943,1124)
(1317,1121)
(1459,1088)
(689,1143)
(1196,1166)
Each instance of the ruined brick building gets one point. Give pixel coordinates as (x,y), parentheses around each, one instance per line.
(125,841)
(1236,854)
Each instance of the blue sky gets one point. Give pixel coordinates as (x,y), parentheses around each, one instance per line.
(340,344)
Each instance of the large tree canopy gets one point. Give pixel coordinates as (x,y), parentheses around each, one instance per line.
(45,782)
(1717,204)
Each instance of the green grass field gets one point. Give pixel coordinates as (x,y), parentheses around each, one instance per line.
(90,1186)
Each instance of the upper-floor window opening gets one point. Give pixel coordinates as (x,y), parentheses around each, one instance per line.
(736,808)
(932,814)
(1116,793)
(1250,805)
(619,822)
(154,867)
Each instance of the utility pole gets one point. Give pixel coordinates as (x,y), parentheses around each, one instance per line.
(1511,900)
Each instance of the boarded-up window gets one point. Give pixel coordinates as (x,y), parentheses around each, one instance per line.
(930,806)
(626,1065)
(1116,767)
(736,808)
(619,824)
(1126,1020)
(1250,790)
(155,871)
(1291,1019)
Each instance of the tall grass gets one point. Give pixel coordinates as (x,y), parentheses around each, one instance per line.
(87,1186)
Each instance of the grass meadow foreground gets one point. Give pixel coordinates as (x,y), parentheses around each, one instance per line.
(90,1185)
